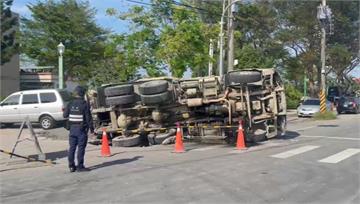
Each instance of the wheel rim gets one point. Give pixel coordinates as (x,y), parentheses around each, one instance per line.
(45,123)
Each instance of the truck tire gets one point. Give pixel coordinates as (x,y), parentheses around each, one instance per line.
(151,138)
(155,98)
(101,96)
(281,124)
(242,77)
(120,90)
(126,141)
(158,139)
(119,100)
(153,87)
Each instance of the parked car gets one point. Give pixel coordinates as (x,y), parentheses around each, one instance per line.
(349,104)
(45,106)
(310,106)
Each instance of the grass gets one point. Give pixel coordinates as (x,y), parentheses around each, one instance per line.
(328,115)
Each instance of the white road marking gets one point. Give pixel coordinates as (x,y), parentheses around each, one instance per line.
(327,137)
(264,145)
(294,152)
(333,159)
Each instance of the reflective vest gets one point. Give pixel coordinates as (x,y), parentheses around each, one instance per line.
(76,116)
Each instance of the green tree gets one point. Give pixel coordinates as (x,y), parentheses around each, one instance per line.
(168,35)
(137,48)
(9,23)
(300,33)
(70,22)
(184,44)
(281,34)
(293,96)
(339,58)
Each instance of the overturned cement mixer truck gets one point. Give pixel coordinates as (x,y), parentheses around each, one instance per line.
(208,109)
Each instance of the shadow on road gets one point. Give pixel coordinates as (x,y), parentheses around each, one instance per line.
(328,126)
(116,162)
(260,141)
(53,155)
(289,135)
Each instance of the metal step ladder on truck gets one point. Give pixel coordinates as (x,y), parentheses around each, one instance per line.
(208,108)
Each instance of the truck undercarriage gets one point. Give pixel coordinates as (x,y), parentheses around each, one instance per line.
(208,108)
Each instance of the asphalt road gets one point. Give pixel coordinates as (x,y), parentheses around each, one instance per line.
(316,162)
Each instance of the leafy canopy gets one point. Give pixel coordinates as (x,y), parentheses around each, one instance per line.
(9,24)
(70,22)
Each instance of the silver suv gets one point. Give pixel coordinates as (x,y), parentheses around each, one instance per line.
(45,106)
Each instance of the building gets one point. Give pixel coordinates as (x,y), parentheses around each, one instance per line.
(36,77)
(43,77)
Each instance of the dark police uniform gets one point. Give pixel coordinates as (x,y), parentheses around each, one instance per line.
(80,122)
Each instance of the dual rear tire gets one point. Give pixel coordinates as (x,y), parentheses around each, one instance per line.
(155,92)
(119,95)
(151,93)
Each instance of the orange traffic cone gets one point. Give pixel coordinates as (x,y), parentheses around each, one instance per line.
(240,144)
(179,146)
(105,148)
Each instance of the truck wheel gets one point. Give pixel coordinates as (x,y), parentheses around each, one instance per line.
(127,89)
(151,138)
(126,141)
(158,139)
(153,87)
(120,100)
(281,124)
(46,122)
(155,98)
(242,77)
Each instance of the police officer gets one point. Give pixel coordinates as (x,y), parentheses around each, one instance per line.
(80,122)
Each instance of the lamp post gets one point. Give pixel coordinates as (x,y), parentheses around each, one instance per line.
(61,49)
(221,35)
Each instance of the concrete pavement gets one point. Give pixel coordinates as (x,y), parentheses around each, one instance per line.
(316,162)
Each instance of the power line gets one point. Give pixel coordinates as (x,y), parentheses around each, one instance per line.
(140,2)
(188,6)
(176,4)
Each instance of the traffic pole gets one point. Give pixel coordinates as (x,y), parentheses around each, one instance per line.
(322,101)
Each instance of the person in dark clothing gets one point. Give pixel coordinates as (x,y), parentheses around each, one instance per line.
(80,122)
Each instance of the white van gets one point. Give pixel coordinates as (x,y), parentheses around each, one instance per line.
(45,106)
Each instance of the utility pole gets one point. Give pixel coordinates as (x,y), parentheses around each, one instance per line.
(323,46)
(211,55)
(221,36)
(231,36)
(221,46)
(324,17)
